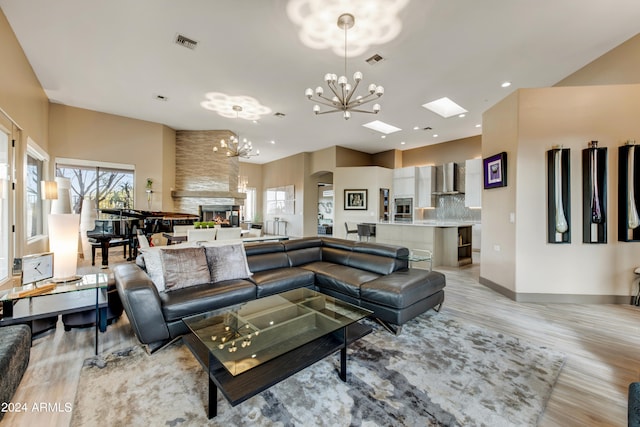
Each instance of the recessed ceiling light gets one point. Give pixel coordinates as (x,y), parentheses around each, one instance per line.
(255,122)
(435,135)
(402,143)
(416,127)
(462,115)
(382,127)
(383,136)
(478,125)
(272,141)
(506,84)
(444,107)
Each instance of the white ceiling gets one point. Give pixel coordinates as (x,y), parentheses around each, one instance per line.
(115,56)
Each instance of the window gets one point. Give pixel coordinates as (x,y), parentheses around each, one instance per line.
(111,185)
(36,162)
(250,205)
(4,205)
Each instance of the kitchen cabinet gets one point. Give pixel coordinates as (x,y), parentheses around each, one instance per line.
(473,183)
(404,182)
(426,185)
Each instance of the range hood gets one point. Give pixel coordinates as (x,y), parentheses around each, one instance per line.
(447,179)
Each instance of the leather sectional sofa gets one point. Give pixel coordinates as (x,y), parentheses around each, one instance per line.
(374,276)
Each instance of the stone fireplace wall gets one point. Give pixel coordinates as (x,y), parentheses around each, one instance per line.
(204,177)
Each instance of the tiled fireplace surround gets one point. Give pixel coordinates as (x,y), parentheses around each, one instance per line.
(204,177)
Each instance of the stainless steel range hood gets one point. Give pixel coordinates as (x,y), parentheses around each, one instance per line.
(447,179)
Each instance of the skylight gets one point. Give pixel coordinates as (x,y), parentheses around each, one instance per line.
(381,127)
(444,107)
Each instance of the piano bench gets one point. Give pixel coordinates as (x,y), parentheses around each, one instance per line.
(112,242)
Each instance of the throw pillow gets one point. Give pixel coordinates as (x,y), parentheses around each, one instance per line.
(153,262)
(227,262)
(185,267)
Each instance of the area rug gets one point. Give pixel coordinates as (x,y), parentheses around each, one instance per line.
(437,372)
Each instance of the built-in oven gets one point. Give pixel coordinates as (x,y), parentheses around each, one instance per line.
(403,210)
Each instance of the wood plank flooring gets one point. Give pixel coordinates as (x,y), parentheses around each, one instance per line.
(602,344)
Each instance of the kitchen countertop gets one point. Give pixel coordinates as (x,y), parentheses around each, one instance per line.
(433,223)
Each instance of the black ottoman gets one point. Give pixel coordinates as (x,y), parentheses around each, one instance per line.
(15,348)
(402,295)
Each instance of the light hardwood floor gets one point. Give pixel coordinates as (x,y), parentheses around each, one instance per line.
(602,344)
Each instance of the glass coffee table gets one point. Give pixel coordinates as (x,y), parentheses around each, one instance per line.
(32,302)
(247,348)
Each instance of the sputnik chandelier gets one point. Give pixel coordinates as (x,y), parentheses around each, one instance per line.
(343,99)
(234,148)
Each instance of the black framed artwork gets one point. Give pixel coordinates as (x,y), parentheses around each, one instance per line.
(495,170)
(355,200)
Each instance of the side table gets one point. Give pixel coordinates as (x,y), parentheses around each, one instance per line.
(21,305)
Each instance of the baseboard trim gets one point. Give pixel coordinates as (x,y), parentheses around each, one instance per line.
(555,298)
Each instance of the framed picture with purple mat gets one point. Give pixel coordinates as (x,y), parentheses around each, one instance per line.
(495,170)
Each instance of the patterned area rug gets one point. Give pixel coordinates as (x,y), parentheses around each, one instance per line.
(438,371)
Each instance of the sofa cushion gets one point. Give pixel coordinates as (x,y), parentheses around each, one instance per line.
(152,261)
(227,262)
(341,278)
(184,267)
(402,288)
(15,345)
(201,298)
(269,282)
(267,261)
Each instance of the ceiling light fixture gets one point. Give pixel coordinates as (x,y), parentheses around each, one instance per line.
(342,90)
(506,84)
(224,105)
(234,147)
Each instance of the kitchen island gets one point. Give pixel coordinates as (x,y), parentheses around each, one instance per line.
(450,242)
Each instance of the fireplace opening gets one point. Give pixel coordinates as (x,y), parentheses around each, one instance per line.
(225,215)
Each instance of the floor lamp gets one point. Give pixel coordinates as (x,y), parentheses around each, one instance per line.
(63,236)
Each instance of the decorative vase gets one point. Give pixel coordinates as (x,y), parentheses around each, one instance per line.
(561,221)
(632,213)
(596,212)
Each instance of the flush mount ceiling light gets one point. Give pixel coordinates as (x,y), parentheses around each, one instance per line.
(378,23)
(381,127)
(224,105)
(343,92)
(234,148)
(444,107)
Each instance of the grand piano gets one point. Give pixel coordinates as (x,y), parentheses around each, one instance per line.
(123,225)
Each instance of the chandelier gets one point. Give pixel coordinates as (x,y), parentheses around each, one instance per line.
(234,148)
(343,92)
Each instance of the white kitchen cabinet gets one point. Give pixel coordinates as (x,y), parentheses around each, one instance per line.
(404,182)
(473,183)
(426,185)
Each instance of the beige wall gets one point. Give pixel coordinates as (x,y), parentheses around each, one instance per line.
(346,157)
(76,133)
(457,151)
(540,119)
(370,178)
(618,66)
(388,159)
(23,100)
(498,243)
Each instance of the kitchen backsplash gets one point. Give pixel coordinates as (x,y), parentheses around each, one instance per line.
(450,208)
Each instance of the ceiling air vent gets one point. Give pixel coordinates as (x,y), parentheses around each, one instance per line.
(186,41)
(374,59)
(279,115)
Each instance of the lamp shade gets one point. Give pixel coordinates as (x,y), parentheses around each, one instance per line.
(63,242)
(62,203)
(49,190)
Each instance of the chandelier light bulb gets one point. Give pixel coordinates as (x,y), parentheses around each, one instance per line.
(347,88)
(372,88)
(316,109)
(215,149)
(319,91)
(357,76)
(328,78)
(379,91)
(308,93)
(347,115)
(376,108)
(335,100)
(342,80)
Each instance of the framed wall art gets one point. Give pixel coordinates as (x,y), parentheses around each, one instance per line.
(355,200)
(495,171)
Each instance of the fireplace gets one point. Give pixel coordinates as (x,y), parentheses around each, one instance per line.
(224,214)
